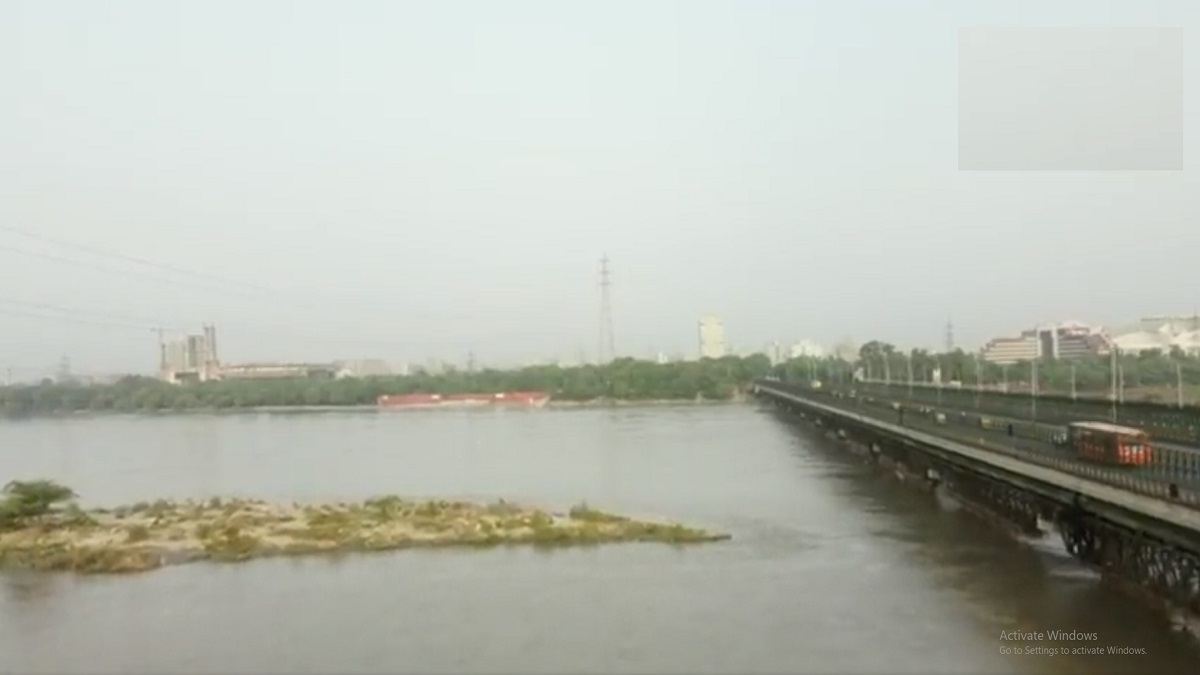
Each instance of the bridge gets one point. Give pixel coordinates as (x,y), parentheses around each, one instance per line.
(1140,524)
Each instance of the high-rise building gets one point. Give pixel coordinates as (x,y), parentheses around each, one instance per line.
(846,350)
(712,338)
(775,352)
(193,357)
(806,348)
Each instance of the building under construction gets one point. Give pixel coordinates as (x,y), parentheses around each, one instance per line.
(192,358)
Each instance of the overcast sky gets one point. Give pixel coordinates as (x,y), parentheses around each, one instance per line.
(410,180)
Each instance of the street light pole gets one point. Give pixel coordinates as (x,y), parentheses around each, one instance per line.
(1113,376)
(1178,385)
(1121,381)
(938,370)
(978,381)
(1033,389)
(908,360)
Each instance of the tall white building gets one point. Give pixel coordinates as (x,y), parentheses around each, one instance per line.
(712,338)
(775,352)
(807,348)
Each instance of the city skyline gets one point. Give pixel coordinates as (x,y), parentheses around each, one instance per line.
(1133,336)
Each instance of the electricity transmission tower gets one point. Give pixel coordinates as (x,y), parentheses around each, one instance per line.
(606,346)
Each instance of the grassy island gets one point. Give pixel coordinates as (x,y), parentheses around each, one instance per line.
(42,528)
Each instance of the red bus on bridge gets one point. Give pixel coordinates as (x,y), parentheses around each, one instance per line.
(1109,443)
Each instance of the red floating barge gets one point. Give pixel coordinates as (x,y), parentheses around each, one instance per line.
(524,399)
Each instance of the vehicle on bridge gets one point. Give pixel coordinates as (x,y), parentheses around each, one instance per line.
(1109,443)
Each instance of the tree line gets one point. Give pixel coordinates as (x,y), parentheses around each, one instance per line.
(622,379)
(1150,374)
(1156,374)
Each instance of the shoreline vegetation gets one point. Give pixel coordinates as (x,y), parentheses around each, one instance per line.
(42,528)
(624,382)
(739,397)
(1150,376)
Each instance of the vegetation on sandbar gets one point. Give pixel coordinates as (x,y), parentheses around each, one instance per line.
(42,528)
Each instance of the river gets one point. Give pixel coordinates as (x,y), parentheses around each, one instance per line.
(833,568)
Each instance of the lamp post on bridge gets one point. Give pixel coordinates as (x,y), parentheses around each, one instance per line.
(1121,381)
(938,370)
(978,382)
(1033,376)
(1178,385)
(908,361)
(1112,352)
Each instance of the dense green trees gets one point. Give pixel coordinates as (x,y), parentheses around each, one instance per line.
(1149,376)
(23,501)
(1146,376)
(625,379)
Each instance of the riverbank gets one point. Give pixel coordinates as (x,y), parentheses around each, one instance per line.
(147,536)
(371,408)
(552,404)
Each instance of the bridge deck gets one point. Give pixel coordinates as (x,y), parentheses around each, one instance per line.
(1171,463)
(1177,515)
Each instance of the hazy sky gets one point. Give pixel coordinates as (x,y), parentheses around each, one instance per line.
(410,180)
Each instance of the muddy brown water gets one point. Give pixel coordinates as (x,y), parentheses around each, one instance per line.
(833,568)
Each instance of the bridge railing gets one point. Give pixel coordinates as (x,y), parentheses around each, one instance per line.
(1000,422)
(1173,473)
(1163,422)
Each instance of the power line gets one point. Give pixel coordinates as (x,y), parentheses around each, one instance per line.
(198,280)
(82,263)
(146,322)
(232,292)
(69,319)
(125,257)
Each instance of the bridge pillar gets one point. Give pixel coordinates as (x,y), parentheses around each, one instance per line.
(1169,572)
